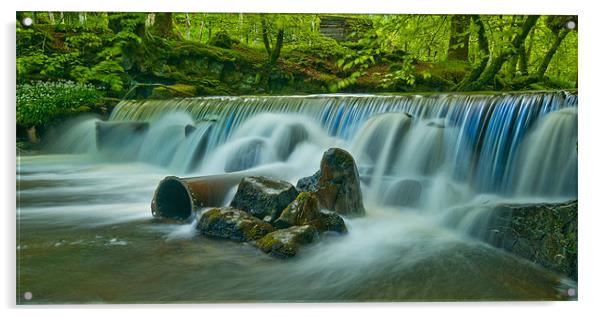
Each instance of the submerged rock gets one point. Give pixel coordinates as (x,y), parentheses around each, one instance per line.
(246,156)
(233,224)
(286,243)
(406,192)
(337,183)
(263,197)
(305,210)
(290,136)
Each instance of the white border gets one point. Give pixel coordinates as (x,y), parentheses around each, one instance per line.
(589,154)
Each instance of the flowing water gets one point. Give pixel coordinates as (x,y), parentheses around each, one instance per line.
(86,235)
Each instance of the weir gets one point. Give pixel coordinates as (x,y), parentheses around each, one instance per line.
(422,151)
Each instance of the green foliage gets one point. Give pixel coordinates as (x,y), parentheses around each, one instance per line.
(116,51)
(41,102)
(321,47)
(106,73)
(403,73)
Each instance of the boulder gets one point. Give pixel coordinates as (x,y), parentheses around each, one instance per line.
(286,243)
(263,197)
(305,210)
(233,224)
(330,221)
(543,233)
(337,183)
(309,183)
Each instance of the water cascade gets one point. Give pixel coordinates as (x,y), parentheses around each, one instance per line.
(447,145)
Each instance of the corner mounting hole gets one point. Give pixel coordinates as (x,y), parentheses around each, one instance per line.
(27,295)
(571,25)
(27,21)
(571,292)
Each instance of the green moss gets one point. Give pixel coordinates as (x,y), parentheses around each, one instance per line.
(172,91)
(212,215)
(303,196)
(256,231)
(222,39)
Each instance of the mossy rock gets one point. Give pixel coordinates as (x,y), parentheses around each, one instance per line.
(222,39)
(263,197)
(543,233)
(232,224)
(173,91)
(330,221)
(286,243)
(337,183)
(305,210)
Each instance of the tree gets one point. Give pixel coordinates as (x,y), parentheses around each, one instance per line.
(274,52)
(483,53)
(163,26)
(558,25)
(459,38)
(488,73)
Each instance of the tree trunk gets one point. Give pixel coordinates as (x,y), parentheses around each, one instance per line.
(541,71)
(523,61)
(265,35)
(458,41)
(240,27)
(489,73)
(202,27)
(187,33)
(163,25)
(483,51)
(208,30)
(276,51)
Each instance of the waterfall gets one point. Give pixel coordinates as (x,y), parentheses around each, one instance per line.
(430,151)
(547,159)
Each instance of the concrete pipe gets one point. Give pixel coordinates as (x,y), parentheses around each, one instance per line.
(177,198)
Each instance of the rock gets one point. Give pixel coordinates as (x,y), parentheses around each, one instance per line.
(308,184)
(222,39)
(305,210)
(338,183)
(264,197)
(289,137)
(543,233)
(246,156)
(331,221)
(285,243)
(404,193)
(233,224)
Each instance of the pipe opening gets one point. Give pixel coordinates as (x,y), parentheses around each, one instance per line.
(172,200)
